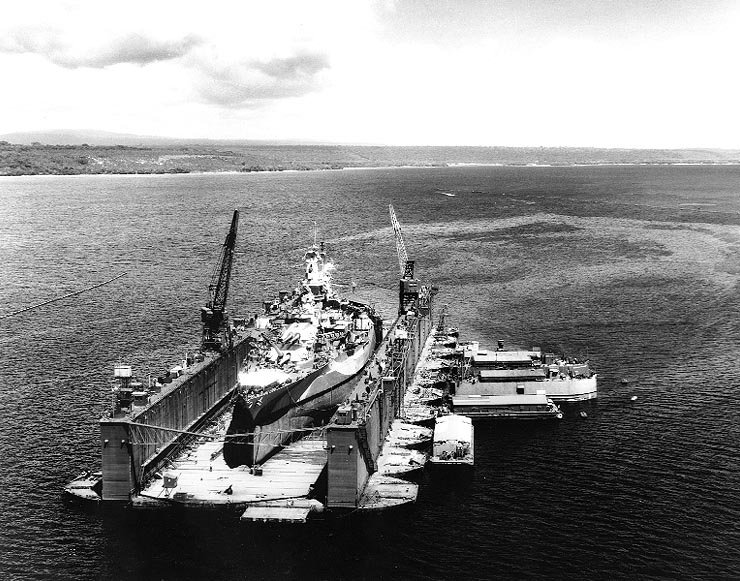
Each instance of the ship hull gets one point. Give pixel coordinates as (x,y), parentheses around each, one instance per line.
(273,419)
(325,392)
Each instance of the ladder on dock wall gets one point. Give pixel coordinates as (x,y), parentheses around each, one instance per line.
(365,448)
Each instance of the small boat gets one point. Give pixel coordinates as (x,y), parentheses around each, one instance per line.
(437,364)
(428,396)
(87,486)
(453,441)
(419,414)
(408,435)
(399,462)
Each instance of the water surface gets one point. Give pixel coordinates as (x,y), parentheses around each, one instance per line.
(634,268)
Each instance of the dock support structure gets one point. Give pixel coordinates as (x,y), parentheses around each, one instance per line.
(134,447)
(356,434)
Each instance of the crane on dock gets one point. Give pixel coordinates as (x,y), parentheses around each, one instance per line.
(405,265)
(213,315)
(411,295)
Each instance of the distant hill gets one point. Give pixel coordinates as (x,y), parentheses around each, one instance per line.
(103,138)
(79,137)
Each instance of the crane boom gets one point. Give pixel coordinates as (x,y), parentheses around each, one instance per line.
(406,267)
(408,292)
(214,313)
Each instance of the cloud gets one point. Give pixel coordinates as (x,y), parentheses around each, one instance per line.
(133,48)
(246,83)
(299,66)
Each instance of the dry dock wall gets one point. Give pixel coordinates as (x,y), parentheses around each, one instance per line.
(134,447)
(353,449)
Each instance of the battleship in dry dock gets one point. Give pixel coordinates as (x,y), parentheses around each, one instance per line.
(303,351)
(257,383)
(166,443)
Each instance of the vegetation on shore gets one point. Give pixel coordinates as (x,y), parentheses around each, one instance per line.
(41,159)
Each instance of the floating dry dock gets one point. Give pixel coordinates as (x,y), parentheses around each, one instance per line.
(360,466)
(168,449)
(163,444)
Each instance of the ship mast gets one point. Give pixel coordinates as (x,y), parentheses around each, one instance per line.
(213,314)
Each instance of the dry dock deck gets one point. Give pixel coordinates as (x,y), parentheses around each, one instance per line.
(203,478)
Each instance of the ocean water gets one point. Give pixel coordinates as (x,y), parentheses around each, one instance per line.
(635,268)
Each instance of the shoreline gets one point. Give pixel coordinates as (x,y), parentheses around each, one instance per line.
(451,165)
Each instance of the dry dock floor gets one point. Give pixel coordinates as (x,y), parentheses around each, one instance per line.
(203,478)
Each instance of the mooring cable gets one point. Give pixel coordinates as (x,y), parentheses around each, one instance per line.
(62,297)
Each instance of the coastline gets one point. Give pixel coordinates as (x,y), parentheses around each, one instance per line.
(40,159)
(370,168)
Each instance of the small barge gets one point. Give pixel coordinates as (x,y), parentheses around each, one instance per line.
(453,442)
(514,407)
(525,372)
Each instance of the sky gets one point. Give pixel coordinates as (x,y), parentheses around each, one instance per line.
(624,73)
